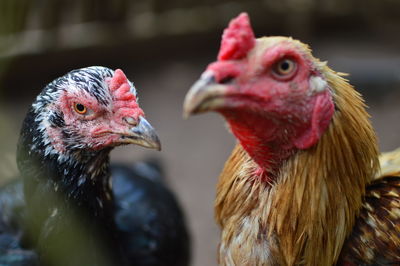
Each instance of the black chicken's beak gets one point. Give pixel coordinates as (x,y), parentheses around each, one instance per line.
(143,134)
(204,95)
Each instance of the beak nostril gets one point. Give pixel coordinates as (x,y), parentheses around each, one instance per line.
(130,121)
(226,79)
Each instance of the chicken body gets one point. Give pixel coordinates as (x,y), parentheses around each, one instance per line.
(147,215)
(300,187)
(73,209)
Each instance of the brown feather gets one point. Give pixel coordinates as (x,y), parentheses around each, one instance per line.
(306,215)
(376,235)
(390,163)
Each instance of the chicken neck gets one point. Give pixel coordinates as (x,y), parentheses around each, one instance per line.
(68,197)
(303,213)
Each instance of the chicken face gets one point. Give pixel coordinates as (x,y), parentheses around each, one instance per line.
(92,109)
(271,91)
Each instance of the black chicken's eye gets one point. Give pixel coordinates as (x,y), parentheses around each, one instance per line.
(285,68)
(80,108)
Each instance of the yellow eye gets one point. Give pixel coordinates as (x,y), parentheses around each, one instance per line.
(285,68)
(80,108)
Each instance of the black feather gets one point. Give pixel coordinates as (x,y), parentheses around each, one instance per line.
(62,210)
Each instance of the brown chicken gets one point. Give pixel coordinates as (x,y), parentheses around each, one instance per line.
(303,185)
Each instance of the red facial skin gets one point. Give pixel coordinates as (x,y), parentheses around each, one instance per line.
(271,115)
(101,126)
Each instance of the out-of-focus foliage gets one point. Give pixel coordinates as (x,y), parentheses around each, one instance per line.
(13,16)
(37,25)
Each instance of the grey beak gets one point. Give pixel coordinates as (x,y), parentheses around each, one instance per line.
(144,134)
(204,95)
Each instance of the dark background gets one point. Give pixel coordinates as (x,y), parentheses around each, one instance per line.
(163,46)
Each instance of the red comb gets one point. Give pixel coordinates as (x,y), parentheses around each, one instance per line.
(120,87)
(237,39)
(124,103)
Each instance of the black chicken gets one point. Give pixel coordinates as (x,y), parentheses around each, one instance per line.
(73,208)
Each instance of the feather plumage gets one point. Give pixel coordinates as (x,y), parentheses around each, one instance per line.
(64,210)
(316,197)
(304,178)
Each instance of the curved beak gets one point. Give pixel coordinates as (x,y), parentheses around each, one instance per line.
(143,134)
(204,95)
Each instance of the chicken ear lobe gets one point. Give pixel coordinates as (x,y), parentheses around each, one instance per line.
(321,117)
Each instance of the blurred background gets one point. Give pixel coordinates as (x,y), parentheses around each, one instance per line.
(163,46)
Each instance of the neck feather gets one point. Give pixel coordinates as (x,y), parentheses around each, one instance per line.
(68,196)
(80,180)
(314,200)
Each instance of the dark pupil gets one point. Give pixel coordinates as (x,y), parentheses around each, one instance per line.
(285,65)
(80,107)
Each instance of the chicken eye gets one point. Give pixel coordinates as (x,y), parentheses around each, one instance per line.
(80,108)
(285,68)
